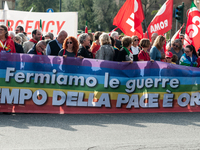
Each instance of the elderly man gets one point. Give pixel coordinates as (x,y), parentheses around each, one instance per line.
(55,46)
(36,36)
(38,49)
(19,29)
(49,36)
(118,43)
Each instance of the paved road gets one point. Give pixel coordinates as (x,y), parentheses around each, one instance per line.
(100,131)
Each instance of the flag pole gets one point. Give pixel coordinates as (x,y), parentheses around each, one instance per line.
(146,27)
(170,38)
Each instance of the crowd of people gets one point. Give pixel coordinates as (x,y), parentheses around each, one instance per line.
(103,46)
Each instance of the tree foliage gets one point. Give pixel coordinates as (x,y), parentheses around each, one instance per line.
(38,5)
(98,13)
(105,12)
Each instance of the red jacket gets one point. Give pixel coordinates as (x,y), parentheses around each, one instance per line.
(8,45)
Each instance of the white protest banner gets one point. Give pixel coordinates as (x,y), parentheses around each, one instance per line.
(51,22)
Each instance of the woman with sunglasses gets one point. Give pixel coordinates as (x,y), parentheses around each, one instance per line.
(177,49)
(155,52)
(70,47)
(189,58)
(134,48)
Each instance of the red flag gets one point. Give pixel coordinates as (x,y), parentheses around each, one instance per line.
(86,28)
(130,17)
(176,36)
(162,22)
(192,32)
(139,32)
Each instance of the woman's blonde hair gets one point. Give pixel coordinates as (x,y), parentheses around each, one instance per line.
(104,39)
(158,42)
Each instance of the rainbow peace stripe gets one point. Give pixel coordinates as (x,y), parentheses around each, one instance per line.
(188,77)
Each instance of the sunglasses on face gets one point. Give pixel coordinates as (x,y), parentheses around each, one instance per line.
(175,45)
(168,57)
(136,40)
(187,51)
(180,38)
(69,42)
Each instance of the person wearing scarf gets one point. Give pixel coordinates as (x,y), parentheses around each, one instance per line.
(38,49)
(189,58)
(36,36)
(125,54)
(6,43)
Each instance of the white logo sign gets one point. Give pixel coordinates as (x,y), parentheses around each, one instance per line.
(132,17)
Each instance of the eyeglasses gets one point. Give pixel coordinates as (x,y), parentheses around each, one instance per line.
(136,40)
(175,45)
(41,48)
(187,51)
(69,42)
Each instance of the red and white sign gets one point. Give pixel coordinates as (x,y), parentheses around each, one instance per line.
(162,22)
(192,32)
(130,17)
(51,22)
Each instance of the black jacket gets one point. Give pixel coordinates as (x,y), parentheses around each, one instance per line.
(54,48)
(19,48)
(84,52)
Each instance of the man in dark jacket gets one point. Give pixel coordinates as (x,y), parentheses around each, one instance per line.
(55,46)
(38,49)
(19,48)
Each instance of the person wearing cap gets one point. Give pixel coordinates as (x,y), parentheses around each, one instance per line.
(168,57)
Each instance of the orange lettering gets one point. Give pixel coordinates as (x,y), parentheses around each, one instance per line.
(28,26)
(59,26)
(47,28)
(17,23)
